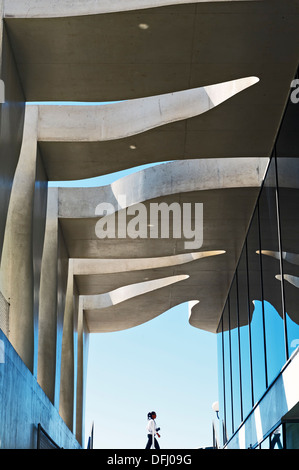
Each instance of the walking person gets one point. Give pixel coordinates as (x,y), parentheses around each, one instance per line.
(152,431)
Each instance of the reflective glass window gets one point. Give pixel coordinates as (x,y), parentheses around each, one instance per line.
(292,435)
(220,381)
(271,275)
(227,373)
(256,310)
(244,335)
(265,444)
(276,438)
(235,356)
(287,144)
(288,187)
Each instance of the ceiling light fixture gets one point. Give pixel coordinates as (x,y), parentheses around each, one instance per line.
(143,26)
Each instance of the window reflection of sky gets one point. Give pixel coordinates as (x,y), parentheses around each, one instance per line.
(264,361)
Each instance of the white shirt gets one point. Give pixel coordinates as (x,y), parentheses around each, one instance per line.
(151,427)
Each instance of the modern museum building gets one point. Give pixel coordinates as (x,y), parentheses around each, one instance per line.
(201,99)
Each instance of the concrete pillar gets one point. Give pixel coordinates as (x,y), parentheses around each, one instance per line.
(80,377)
(1,28)
(68,378)
(47,335)
(16,276)
(2,85)
(1,46)
(1,31)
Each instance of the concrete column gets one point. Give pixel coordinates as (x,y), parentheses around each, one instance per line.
(47,335)
(67,378)
(16,276)
(1,28)
(1,45)
(1,84)
(80,377)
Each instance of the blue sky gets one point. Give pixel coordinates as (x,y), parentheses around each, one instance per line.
(164,365)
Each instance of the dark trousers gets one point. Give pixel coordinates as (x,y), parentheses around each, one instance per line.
(150,441)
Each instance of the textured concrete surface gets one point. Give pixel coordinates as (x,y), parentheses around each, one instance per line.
(24,405)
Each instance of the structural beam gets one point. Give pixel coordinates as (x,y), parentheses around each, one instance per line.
(163,180)
(60,8)
(118,265)
(82,123)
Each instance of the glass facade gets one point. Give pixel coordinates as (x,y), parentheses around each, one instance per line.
(259,328)
(285,436)
(289,223)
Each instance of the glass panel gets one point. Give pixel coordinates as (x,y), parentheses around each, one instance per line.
(234,336)
(265,444)
(256,310)
(220,381)
(292,435)
(244,335)
(288,141)
(288,182)
(272,294)
(227,373)
(276,439)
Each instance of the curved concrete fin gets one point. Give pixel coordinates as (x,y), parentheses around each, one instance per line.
(162,180)
(113,319)
(103,122)
(108,266)
(63,8)
(95,302)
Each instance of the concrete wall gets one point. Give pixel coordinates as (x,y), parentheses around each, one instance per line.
(24,405)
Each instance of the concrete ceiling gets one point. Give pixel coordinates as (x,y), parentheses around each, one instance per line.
(108,57)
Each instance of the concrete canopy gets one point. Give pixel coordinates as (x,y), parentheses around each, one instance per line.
(104,57)
(113,274)
(170,51)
